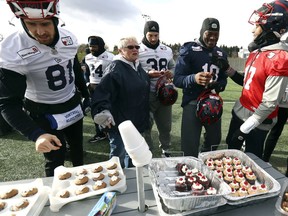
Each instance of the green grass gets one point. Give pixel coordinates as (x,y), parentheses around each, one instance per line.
(19,160)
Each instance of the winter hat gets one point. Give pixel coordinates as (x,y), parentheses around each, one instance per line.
(151,26)
(210,24)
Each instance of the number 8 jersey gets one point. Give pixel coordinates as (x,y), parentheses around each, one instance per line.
(48,71)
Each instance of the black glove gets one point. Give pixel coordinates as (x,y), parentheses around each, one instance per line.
(216,86)
(238,138)
(86,105)
(222,63)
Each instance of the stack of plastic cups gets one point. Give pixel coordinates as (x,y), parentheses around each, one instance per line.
(138,150)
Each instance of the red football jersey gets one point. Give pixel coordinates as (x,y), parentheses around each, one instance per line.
(259,66)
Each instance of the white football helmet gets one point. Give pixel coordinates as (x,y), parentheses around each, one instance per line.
(32,10)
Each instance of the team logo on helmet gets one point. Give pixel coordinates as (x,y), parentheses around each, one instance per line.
(166,91)
(209,107)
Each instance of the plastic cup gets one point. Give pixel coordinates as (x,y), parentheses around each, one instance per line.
(130,135)
(140,162)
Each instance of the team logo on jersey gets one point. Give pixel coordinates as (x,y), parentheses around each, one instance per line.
(28,52)
(58,60)
(67,41)
(163,47)
(196,48)
(271,55)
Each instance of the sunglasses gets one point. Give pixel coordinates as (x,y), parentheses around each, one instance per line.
(131,47)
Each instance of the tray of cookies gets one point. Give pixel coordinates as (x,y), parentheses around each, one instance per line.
(247,180)
(185,184)
(282,201)
(76,183)
(24,199)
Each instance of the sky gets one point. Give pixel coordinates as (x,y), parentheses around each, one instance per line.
(179,20)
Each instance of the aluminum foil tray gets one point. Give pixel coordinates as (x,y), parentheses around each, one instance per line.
(59,186)
(262,176)
(163,175)
(280,211)
(36,202)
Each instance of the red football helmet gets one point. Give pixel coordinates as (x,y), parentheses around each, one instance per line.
(209,107)
(166,91)
(32,10)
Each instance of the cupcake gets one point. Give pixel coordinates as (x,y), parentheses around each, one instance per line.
(189,173)
(237,166)
(246,169)
(236,160)
(210,166)
(181,168)
(228,178)
(219,173)
(195,171)
(197,189)
(227,166)
(218,161)
(239,178)
(227,160)
(235,185)
(209,160)
(234,192)
(245,184)
(227,171)
(204,181)
(237,172)
(251,178)
(211,191)
(242,192)
(262,188)
(190,181)
(252,190)
(219,167)
(180,184)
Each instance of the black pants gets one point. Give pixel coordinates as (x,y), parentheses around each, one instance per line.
(275,133)
(73,135)
(5,128)
(254,141)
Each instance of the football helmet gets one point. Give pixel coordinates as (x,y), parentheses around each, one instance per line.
(166,91)
(271,16)
(40,9)
(209,107)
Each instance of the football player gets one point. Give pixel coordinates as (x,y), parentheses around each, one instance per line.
(40,80)
(265,79)
(198,69)
(157,60)
(96,62)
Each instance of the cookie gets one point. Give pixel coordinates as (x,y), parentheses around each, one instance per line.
(81,172)
(29,192)
(81,179)
(64,194)
(9,194)
(98,176)
(97,169)
(2,205)
(111,166)
(64,175)
(82,190)
(112,173)
(114,180)
(20,205)
(99,185)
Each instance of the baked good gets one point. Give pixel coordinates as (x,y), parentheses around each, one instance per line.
(237,166)
(227,166)
(2,205)
(204,181)
(245,184)
(227,160)
(63,194)
(98,176)
(97,168)
(236,160)
(262,188)
(29,192)
(218,161)
(99,185)
(211,191)
(242,192)
(219,173)
(252,190)
(111,166)
(209,160)
(234,192)
(81,179)
(284,205)
(20,205)
(195,171)
(228,178)
(189,181)
(81,172)
(227,171)
(246,169)
(251,177)
(234,184)
(64,175)
(9,194)
(114,180)
(197,189)
(181,168)
(180,184)
(239,178)
(210,166)
(82,190)
(219,167)
(113,172)
(189,173)
(237,172)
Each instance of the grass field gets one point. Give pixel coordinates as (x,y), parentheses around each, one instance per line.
(19,160)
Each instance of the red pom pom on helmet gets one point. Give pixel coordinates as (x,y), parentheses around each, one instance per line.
(166,91)
(209,107)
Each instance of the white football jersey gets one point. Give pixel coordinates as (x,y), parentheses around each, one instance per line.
(158,59)
(49,72)
(97,65)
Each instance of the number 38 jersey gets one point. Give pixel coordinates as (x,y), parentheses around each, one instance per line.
(158,59)
(48,71)
(97,65)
